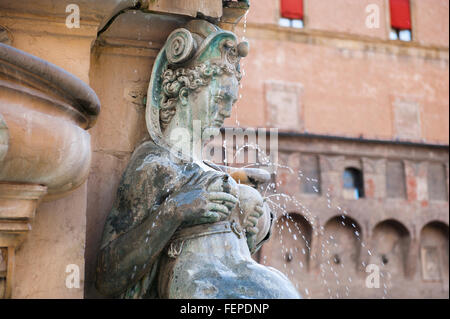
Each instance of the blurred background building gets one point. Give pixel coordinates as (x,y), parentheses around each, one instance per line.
(359,92)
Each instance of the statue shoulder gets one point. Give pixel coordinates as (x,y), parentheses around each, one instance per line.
(151,158)
(149,178)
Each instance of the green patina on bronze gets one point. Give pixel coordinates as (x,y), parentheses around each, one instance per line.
(180,228)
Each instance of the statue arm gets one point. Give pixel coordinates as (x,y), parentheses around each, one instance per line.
(142,221)
(128,257)
(155,198)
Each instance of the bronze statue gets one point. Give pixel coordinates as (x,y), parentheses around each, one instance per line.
(180,228)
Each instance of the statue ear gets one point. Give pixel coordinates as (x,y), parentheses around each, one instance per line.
(183,96)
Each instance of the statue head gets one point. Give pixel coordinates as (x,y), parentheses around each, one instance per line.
(195,78)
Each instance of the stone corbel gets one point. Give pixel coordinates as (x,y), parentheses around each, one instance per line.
(18,203)
(233,11)
(194,8)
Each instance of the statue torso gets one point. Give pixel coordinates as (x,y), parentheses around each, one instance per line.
(202,261)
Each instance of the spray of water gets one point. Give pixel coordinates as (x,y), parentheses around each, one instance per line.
(335,281)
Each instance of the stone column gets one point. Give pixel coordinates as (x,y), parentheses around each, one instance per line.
(374,177)
(331,170)
(416,181)
(315,254)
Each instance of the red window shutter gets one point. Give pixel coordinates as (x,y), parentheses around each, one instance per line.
(292,9)
(400,14)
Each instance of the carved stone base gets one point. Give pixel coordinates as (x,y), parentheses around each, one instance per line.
(18,203)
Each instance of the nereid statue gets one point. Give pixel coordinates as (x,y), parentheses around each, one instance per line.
(181,228)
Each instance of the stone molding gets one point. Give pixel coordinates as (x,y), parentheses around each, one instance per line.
(47,111)
(211,9)
(344,41)
(34,76)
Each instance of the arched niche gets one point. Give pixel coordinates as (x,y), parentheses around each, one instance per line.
(434,251)
(390,246)
(341,244)
(290,246)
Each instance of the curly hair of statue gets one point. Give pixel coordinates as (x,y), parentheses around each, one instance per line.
(181,48)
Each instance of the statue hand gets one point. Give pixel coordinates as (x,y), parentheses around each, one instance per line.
(251,204)
(252,220)
(197,205)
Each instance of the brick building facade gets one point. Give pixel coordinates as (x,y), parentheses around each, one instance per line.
(363,126)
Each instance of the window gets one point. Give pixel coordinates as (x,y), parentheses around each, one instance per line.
(353,183)
(400,20)
(291,13)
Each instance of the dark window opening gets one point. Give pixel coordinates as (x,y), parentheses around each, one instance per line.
(353,183)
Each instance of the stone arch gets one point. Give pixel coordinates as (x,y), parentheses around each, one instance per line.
(302,233)
(391,242)
(289,249)
(434,251)
(341,243)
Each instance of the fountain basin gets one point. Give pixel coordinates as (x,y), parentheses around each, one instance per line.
(44,114)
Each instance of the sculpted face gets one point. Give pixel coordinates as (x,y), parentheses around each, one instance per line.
(212,104)
(194,84)
(200,113)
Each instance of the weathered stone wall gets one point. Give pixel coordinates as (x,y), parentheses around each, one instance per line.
(57,237)
(117,133)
